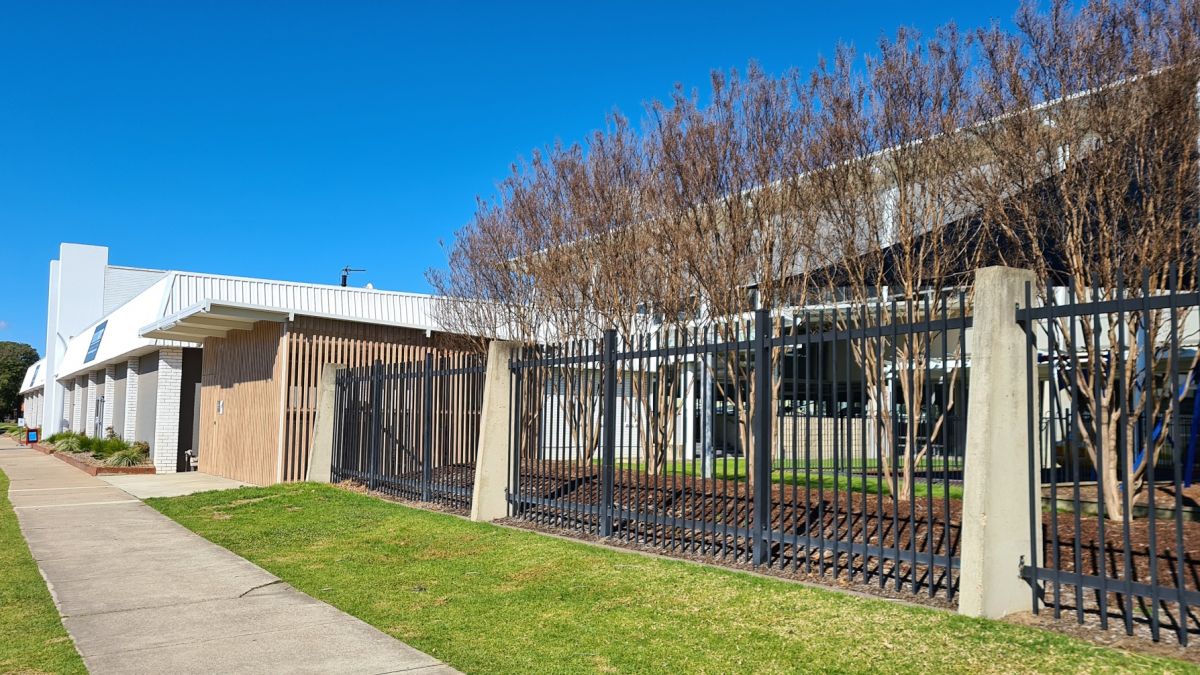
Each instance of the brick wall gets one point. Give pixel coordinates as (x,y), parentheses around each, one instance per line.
(110,396)
(89,415)
(166,423)
(131,399)
(78,390)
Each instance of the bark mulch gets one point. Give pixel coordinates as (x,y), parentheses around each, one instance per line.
(450,487)
(814,531)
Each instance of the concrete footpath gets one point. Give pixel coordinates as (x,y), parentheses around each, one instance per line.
(140,593)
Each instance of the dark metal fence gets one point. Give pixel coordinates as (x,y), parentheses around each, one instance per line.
(411,429)
(820,441)
(1114,422)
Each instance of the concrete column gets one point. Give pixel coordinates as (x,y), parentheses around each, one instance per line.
(320,454)
(996,508)
(491,466)
(131,399)
(166,421)
(110,395)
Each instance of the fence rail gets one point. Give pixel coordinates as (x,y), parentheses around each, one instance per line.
(816,441)
(411,429)
(1114,414)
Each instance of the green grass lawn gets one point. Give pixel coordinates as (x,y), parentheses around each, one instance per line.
(493,599)
(32,637)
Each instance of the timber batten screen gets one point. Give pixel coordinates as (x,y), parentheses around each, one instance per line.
(313,343)
(259,389)
(239,404)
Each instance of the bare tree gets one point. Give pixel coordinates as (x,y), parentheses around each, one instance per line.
(1089,168)
(884,162)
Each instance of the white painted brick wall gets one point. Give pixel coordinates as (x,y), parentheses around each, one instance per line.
(93,384)
(110,396)
(166,423)
(131,399)
(77,416)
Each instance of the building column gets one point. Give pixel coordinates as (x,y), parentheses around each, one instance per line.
(93,393)
(110,393)
(166,423)
(131,399)
(77,414)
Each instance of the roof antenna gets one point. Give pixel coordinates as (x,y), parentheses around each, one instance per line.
(346,274)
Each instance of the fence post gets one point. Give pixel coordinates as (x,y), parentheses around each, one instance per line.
(608,451)
(320,453)
(376,393)
(998,471)
(762,434)
(427,428)
(488,501)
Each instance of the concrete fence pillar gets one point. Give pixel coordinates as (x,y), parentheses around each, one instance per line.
(996,480)
(491,466)
(320,453)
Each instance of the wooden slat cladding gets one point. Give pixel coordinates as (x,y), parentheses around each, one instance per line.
(241,372)
(313,343)
(412,429)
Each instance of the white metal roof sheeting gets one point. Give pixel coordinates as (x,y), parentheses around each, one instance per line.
(178,293)
(35,377)
(411,310)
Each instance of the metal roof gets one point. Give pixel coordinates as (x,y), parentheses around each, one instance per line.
(184,308)
(35,377)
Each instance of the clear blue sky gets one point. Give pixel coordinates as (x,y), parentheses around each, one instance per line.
(288,140)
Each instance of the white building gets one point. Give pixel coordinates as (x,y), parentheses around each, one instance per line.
(125,354)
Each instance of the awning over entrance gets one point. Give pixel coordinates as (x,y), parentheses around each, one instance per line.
(211,319)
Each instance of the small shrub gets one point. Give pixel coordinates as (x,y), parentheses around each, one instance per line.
(141,446)
(103,448)
(129,456)
(109,433)
(67,443)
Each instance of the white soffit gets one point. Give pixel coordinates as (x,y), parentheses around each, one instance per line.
(211,320)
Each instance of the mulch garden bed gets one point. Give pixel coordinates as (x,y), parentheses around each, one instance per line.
(85,462)
(450,487)
(717,509)
(1164,500)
